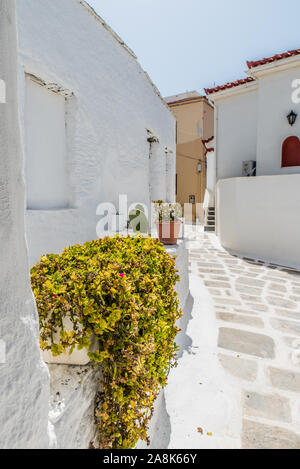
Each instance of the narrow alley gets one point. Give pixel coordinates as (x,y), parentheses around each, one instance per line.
(237,383)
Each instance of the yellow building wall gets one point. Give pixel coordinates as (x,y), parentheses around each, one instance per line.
(195,121)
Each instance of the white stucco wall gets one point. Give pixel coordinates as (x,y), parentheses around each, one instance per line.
(259,217)
(74,390)
(211,179)
(236,132)
(110,106)
(274,104)
(24,378)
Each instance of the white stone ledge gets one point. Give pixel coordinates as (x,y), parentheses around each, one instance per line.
(73,393)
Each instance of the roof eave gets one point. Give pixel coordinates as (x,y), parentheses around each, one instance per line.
(274,67)
(236,90)
(180,102)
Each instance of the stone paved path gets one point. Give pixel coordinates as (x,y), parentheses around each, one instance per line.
(238,381)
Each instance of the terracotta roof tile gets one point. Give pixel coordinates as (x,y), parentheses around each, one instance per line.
(274,58)
(208,140)
(205,142)
(227,86)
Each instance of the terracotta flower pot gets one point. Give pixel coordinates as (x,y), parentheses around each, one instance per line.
(168,231)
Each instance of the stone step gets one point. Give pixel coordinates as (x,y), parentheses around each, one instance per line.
(210,228)
(211,222)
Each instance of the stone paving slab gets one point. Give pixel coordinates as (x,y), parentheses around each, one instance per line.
(260,436)
(239,367)
(267,406)
(246,342)
(238,319)
(285,379)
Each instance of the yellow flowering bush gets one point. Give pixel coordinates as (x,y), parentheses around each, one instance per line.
(121,290)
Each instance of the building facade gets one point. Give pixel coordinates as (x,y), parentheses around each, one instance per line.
(194,117)
(257,132)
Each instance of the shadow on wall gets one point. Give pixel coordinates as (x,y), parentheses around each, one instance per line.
(183,340)
(162,430)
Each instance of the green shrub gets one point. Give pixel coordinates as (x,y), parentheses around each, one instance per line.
(121,290)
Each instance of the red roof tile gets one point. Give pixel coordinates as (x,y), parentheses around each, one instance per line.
(227,86)
(274,58)
(205,142)
(208,140)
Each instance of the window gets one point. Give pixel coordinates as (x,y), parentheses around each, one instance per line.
(290,152)
(45,158)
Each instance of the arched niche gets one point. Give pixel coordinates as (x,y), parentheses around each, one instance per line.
(290,152)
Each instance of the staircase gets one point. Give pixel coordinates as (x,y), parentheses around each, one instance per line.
(210,220)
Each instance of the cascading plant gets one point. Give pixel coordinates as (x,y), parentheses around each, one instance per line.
(121,290)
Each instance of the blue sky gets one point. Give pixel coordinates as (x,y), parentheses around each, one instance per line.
(192,44)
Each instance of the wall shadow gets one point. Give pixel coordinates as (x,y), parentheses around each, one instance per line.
(183,340)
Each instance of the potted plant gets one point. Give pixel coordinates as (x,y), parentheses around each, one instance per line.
(168,222)
(72,355)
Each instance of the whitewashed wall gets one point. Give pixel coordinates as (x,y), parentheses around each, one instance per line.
(251,124)
(110,105)
(259,217)
(274,104)
(236,132)
(24,379)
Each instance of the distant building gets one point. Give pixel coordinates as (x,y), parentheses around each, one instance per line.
(257,130)
(195,123)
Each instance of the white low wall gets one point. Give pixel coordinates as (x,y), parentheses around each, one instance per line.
(72,405)
(260,217)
